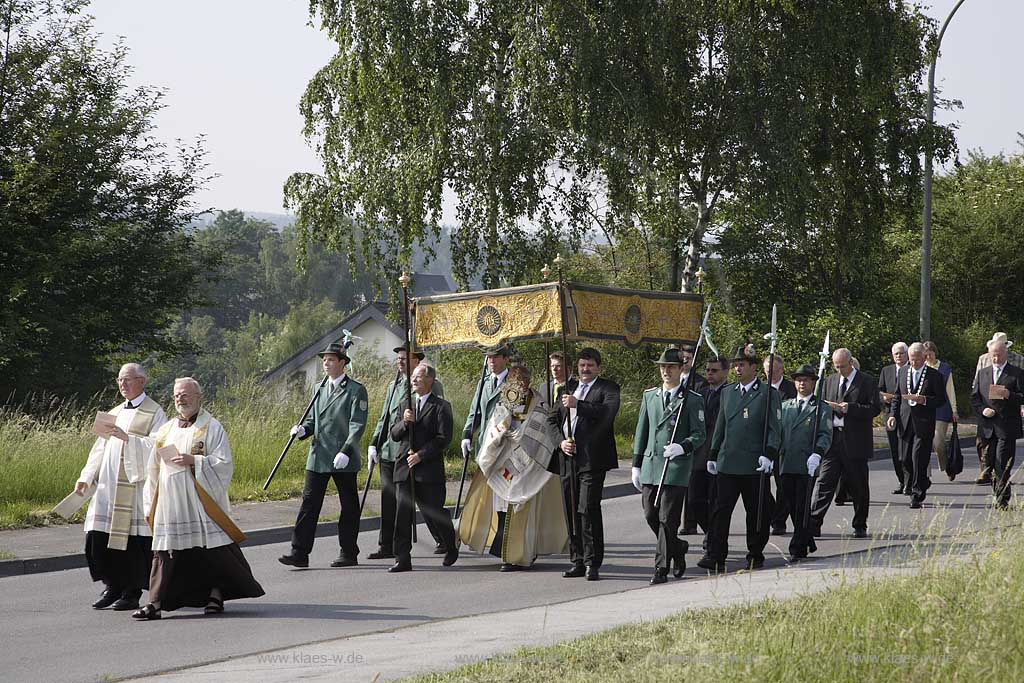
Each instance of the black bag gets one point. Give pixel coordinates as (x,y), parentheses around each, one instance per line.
(954,456)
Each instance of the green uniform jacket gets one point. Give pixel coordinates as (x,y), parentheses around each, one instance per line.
(488,399)
(736,443)
(798,434)
(336,424)
(395,401)
(653,430)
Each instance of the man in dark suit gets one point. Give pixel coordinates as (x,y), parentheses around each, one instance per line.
(996,398)
(887,380)
(776,376)
(919,391)
(853,396)
(586,412)
(700,496)
(691,379)
(424,433)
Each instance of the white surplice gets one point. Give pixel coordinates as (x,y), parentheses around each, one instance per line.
(179,521)
(102,468)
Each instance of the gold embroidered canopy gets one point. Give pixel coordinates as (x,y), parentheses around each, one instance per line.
(492,317)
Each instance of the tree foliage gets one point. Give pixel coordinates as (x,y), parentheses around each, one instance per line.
(94,259)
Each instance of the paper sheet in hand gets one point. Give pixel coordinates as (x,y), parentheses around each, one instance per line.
(165,454)
(103,425)
(71,504)
(998,392)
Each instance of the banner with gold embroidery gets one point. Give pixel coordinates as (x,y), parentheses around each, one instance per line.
(634,316)
(491,317)
(488,318)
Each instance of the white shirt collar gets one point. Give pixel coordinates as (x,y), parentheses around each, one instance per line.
(778,384)
(673,392)
(501,377)
(137,401)
(337,381)
(849,380)
(747,387)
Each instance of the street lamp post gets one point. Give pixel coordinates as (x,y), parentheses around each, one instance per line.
(926,232)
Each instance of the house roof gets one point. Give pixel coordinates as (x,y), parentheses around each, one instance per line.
(428,284)
(375,310)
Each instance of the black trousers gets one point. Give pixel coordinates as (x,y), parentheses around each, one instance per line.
(588,547)
(781,510)
(732,487)
(917,452)
(796,488)
(430,500)
(119,570)
(386,535)
(664,522)
(697,508)
(894,452)
(985,452)
(1002,453)
(854,472)
(309,512)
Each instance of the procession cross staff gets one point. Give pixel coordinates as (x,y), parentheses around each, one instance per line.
(465,456)
(566,427)
(767,417)
(405,280)
(819,393)
(291,438)
(682,404)
(383,432)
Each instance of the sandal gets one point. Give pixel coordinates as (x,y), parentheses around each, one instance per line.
(146,613)
(214,606)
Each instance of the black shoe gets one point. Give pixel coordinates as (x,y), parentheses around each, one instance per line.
(755,562)
(128,600)
(107,598)
(147,613)
(660,576)
(840,502)
(294,561)
(450,557)
(593,574)
(778,531)
(799,557)
(915,505)
(439,549)
(983,480)
(576,571)
(952,477)
(345,561)
(509,567)
(860,533)
(688,531)
(381,554)
(680,564)
(711,564)
(898,492)
(907,492)
(400,566)
(812,547)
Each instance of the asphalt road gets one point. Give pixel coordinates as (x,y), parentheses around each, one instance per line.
(49,632)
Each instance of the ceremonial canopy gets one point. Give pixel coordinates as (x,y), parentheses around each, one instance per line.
(535,312)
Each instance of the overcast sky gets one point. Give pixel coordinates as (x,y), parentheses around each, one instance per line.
(235,70)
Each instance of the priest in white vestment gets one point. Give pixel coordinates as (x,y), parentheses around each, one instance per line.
(196,558)
(117,538)
(514,508)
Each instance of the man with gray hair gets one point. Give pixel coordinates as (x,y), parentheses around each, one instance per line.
(853,396)
(117,538)
(197,561)
(996,397)
(985,456)
(887,390)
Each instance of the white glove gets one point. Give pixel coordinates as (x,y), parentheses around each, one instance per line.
(812,463)
(298,430)
(673,450)
(764,465)
(340,461)
(712,467)
(636,479)
(466,445)
(371,456)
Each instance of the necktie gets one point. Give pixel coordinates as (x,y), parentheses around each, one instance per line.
(998,371)
(129,406)
(666,399)
(803,404)
(842,390)
(494,383)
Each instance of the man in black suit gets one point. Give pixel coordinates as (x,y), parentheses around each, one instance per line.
(695,383)
(424,433)
(919,391)
(853,396)
(586,412)
(996,398)
(887,381)
(700,496)
(776,376)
